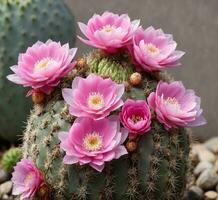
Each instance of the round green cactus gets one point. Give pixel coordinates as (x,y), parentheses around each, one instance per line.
(154,170)
(22,23)
(10,158)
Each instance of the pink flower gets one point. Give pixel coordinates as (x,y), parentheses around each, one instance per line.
(93,142)
(109,31)
(153,50)
(136,116)
(42,66)
(26,179)
(175,106)
(93,97)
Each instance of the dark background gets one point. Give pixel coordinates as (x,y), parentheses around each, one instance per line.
(194,24)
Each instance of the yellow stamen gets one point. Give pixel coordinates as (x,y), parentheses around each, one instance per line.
(152,49)
(173,101)
(136,118)
(42,64)
(108,28)
(92,142)
(95,100)
(29,178)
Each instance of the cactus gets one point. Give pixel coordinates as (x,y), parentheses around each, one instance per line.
(10,158)
(155,167)
(22,23)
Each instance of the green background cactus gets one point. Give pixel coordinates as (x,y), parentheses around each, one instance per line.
(156,170)
(10,158)
(22,23)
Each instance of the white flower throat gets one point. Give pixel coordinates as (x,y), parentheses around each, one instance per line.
(92,142)
(151,49)
(95,100)
(29,178)
(44,63)
(108,28)
(173,101)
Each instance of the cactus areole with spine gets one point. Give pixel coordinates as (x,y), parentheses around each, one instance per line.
(115,126)
(22,23)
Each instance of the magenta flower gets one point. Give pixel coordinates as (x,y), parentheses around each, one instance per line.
(175,106)
(26,179)
(109,31)
(93,142)
(136,116)
(93,97)
(42,66)
(153,50)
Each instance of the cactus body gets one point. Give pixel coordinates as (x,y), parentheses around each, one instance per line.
(22,23)
(155,170)
(10,158)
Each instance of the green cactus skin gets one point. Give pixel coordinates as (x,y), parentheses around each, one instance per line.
(156,170)
(22,23)
(10,158)
(110,68)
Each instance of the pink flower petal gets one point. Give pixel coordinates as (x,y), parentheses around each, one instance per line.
(154,50)
(43,65)
(176,106)
(136,116)
(108,146)
(79,98)
(26,179)
(108,31)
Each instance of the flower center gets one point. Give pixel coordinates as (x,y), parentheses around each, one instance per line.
(29,178)
(108,28)
(136,119)
(173,101)
(152,49)
(92,142)
(42,64)
(96,100)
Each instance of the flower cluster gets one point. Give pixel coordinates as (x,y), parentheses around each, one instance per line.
(93,138)
(103,120)
(151,49)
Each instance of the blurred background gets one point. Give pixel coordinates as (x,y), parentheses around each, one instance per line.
(194,24)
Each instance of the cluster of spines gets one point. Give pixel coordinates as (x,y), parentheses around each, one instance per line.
(160,181)
(40,146)
(133,181)
(108,190)
(21,8)
(109,67)
(10,158)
